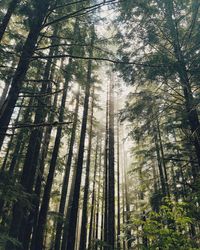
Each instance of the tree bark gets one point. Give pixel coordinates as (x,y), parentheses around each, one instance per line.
(30,164)
(33,216)
(66,176)
(59,225)
(68,212)
(111,171)
(83,236)
(98,200)
(118,190)
(11,8)
(191,110)
(91,225)
(105,234)
(47,191)
(76,195)
(160,169)
(22,68)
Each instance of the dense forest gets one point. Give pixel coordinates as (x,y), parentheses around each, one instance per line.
(99,124)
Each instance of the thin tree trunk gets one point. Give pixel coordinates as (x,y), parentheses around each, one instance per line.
(93,197)
(118,190)
(3,168)
(68,212)
(47,191)
(70,153)
(33,216)
(105,237)
(111,171)
(98,200)
(66,176)
(83,237)
(123,211)
(20,138)
(127,202)
(161,174)
(76,195)
(163,158)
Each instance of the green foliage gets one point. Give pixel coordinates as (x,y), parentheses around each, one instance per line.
(166,229)
(5,238)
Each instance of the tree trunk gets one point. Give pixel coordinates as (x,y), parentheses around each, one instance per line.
(47,191)
(83,237)
(191,110)
(30,164)
(3,168)
(105,236)
(11,8)
(111,171)
(98,200)
(66,176)
(20,137)
(23,65)
(163,158)
(93,197)
(75,202)
(127,202)
(66,228)
(59,225)
(33,216)
(161,173)
(118,190)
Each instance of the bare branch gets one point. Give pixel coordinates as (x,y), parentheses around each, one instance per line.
(54,124)
(101,59)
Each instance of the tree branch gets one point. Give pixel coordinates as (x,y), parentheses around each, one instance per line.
(54,124)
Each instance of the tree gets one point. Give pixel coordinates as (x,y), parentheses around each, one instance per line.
(41,9)
(83,236)
(11,8)
(76,194)
(111,170)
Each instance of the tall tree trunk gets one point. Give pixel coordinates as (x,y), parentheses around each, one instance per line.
(102,203)
(3,168)
(76,195)
(93,197)
(7,83)
(76,36)
(47,191)
(191,110)
(98,200)
(160,168)
(20,137)
(66,228)
(23,65)
(127,202)
(105,236)
(83,237)
(31,160)
(163,158)
(11,8)
(66,177)
(118,190)
(33,216)
(111,171)
(123,210)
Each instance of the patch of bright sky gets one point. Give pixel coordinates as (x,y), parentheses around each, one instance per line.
(106,30)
